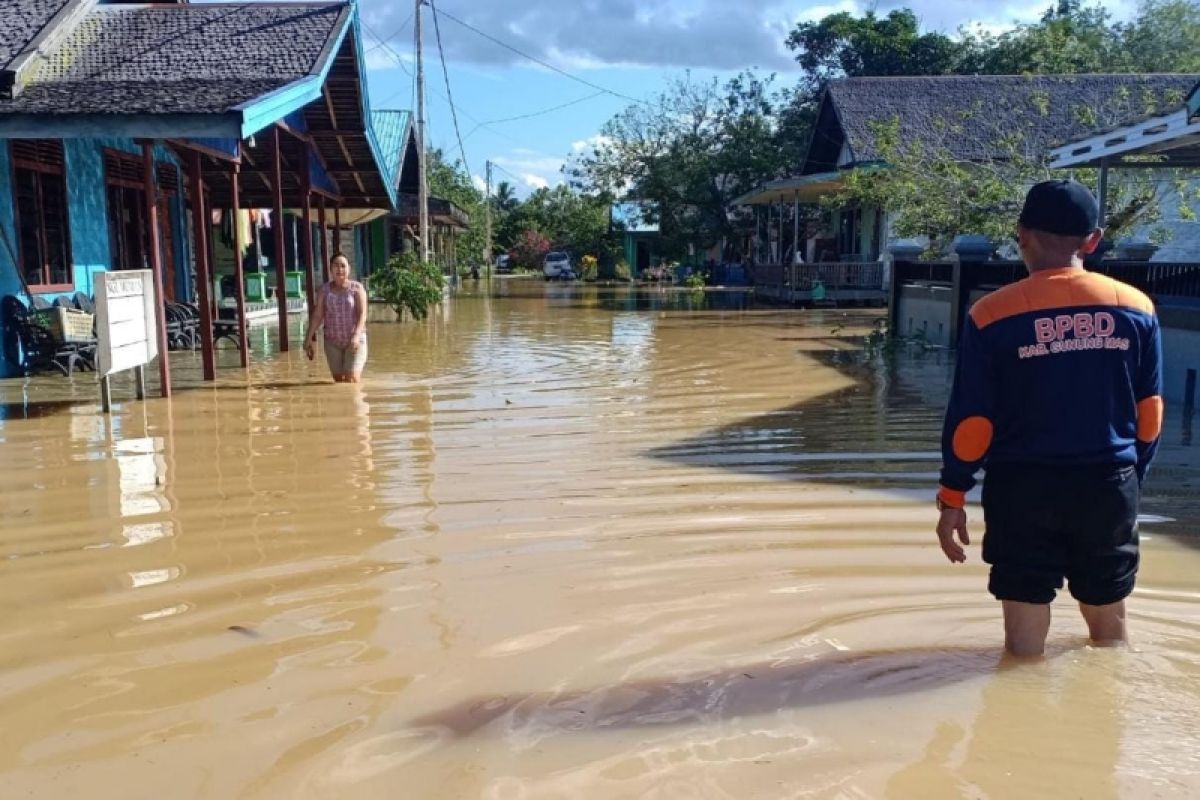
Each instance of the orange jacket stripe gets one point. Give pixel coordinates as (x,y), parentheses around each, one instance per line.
(952,497)
(1065,288)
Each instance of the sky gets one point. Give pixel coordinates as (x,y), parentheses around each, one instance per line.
(625,49)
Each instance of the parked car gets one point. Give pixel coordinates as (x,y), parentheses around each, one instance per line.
(557,266)
(503,264)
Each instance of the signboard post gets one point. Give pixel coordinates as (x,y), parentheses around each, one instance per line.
(125,328)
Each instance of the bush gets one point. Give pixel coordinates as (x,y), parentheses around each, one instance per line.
(623,271)
(694,281)
(589,268)
(408,285)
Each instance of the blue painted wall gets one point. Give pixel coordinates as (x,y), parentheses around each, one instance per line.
(87,207)
(9,282)
(88,210)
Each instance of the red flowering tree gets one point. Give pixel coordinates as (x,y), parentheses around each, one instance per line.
(530,249)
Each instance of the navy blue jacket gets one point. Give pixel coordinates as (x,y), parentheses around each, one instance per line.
(1062,368)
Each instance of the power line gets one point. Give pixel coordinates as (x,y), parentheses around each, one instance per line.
(537,113)
(535,59)
(400,62)
(397,32)
(437,30)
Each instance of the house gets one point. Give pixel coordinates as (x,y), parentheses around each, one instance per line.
(965,115)
(137,134)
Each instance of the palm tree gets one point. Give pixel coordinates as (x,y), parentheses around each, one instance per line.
(505,198)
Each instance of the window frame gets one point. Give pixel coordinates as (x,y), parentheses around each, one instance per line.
(40,168)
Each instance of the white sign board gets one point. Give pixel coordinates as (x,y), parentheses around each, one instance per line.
(125,322)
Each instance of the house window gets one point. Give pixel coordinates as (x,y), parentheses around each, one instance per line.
(40,196)
(126,210)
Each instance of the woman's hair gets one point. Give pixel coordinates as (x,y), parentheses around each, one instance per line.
(340,255)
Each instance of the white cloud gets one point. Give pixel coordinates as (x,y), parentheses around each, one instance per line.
(380,59)
(584,146)
(535,181)
(479,183)
(532,169)
(714,34)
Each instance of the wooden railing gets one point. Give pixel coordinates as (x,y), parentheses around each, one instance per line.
(848,275)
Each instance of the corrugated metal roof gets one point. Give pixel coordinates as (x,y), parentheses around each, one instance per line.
(392,130)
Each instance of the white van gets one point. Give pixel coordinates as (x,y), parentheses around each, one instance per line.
(557,266)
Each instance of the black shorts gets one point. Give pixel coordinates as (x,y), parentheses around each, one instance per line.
(1045,524)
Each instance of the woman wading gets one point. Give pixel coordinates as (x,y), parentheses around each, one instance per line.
(341,309)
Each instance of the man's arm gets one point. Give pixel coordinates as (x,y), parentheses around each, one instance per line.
(1149,399)
(967,433)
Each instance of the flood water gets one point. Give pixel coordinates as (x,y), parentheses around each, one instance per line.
(563,542)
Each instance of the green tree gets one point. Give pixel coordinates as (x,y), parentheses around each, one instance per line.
(448,181)
(408,285)
(1163,37)
(687,154)
(843,45)
(931,190)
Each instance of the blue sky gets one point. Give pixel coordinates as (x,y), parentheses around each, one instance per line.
(632,47)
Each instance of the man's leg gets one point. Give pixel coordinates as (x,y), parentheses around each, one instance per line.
(1025,627)
(1106,624)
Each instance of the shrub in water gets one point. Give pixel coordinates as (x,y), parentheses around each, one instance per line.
(408,285)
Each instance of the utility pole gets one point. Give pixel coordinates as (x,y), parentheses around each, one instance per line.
(422,170)
(487,206)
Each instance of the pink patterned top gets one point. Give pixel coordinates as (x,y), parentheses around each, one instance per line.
(341,313)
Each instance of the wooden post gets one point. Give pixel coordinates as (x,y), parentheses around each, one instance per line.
(154,237)
(277,226)
(239,276)
(203,277)
(310,288)
(322,221)
(1103,198)
(337,227)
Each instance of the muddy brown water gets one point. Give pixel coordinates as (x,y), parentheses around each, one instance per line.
(562,543)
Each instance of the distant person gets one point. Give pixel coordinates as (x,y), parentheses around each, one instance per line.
(341,308)
(1059,391)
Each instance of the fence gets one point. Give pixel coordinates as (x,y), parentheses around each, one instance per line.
(923,286)
(853,280)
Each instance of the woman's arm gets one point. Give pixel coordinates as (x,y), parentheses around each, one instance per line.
(360,325)
(314,323)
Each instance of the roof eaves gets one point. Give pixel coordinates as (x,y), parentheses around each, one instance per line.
(391,187)
(263,111)
(812,136)
(13,76)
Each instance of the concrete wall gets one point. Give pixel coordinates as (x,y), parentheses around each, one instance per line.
(1181,349)
(924,311)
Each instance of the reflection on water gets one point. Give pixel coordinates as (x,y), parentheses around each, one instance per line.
(563,542)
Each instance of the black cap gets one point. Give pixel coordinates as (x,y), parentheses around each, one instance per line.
(1064,207)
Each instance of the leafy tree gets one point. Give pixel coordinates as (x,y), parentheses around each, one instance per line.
(933,191)
(449,182)
(408,285)
(1163,37)
(687,154)
(843,45)
(531,247)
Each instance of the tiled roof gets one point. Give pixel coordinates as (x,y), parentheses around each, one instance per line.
(182,59)
(134,97)
(21,21)
(1047,109)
